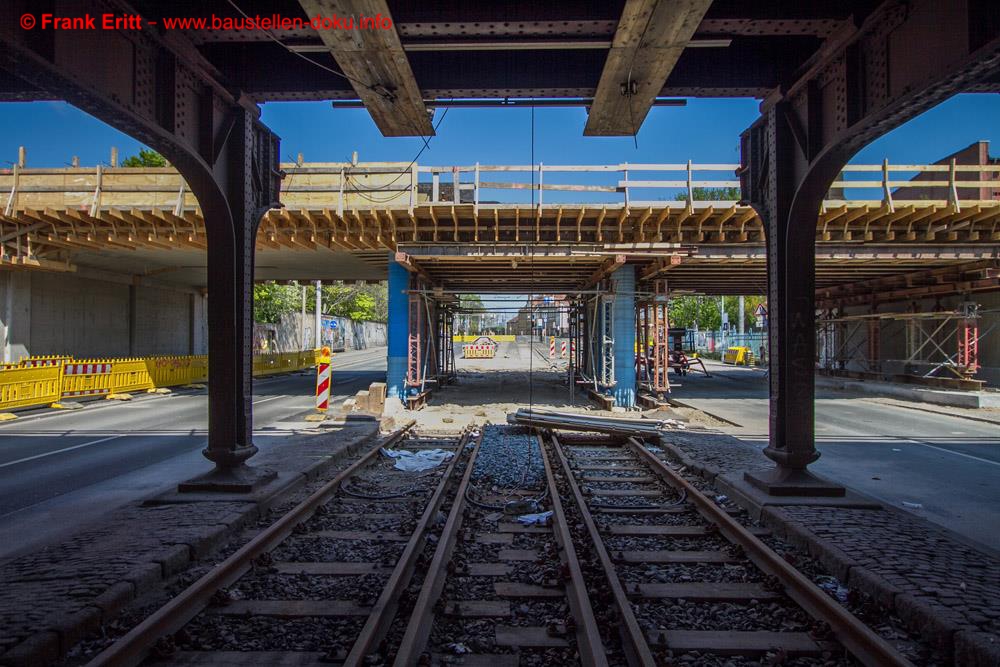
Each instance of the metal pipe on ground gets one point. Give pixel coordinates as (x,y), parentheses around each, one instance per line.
(577,422)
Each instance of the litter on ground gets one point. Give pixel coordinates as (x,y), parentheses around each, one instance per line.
(417,461)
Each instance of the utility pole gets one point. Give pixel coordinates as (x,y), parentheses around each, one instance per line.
(742,325)
(302,320)
(318,320)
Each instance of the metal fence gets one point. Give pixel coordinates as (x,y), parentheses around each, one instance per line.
(720,341)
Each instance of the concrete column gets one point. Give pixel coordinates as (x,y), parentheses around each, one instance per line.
(133,316)
(16,311)
(318,316)
(398,328)
(200,325)
(623,326)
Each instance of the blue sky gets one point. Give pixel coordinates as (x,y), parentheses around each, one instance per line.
(703,131)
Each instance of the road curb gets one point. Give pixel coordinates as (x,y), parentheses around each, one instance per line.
(58,635)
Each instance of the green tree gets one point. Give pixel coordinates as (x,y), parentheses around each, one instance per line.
(474,310)
(271,301)
(146,158)
(357,301)
(711,194)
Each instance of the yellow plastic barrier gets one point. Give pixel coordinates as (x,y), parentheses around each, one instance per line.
(479,351)
(88,377)
(22,387)
(738,356)
(42,380)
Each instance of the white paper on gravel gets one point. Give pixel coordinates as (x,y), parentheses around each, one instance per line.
(541,518)
(425,459)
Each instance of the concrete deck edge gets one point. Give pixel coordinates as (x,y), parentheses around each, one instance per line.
(53,641)
(957,399)
(967,647)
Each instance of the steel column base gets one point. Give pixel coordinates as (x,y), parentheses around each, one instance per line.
(782,481)
(231,479)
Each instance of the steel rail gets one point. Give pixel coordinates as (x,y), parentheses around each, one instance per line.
(588,635)
(858,638)
(418,628)
(384,609)
(633,640)
(131,649)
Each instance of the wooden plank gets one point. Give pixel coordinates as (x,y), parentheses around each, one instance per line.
(506,527)
(674,556)
(291,608)
(489,569)
(680,509)
(623,493)
(529,555)
(729,642)
(608,467)
(378,67)
(478,660)
(650,37)
(658,531)
(478,608)
(612,478)
(243,658)
(527,637)
(512,589)
(331,569)
(703,591)
(494,538)
(378,536)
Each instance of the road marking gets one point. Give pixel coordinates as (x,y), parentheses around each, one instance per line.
(949,451)
(60,451)
(265,400)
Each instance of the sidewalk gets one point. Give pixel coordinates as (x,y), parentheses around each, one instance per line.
(940,585)
(50,599)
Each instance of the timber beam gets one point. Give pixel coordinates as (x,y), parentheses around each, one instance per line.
(372,58)
(650,38)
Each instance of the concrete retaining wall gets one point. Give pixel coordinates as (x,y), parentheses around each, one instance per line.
(65,313)
(292,334)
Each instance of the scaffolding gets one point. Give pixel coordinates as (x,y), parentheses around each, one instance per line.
(606,370)
(940,347)
(414,357)
(445,328)
(653,348)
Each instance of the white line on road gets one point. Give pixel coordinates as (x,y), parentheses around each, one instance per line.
(265,400)
(60,451)
(949,451)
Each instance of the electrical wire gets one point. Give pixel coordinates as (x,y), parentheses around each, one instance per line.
(320,65)
(426,145)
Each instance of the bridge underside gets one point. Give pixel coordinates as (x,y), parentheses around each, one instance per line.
(704,248)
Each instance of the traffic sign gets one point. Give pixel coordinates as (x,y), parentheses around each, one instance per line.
(760,311)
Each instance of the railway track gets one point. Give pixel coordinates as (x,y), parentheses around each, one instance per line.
(690,584)
(318,586)
(628,564)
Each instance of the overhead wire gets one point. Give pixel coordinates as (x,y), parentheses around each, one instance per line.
(320,65)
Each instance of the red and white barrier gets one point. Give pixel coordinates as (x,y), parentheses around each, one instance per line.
(323,372)
(86,369)
(562,350)
(552,347)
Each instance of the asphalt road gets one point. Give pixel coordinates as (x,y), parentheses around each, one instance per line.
(944,468)
(81,464)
